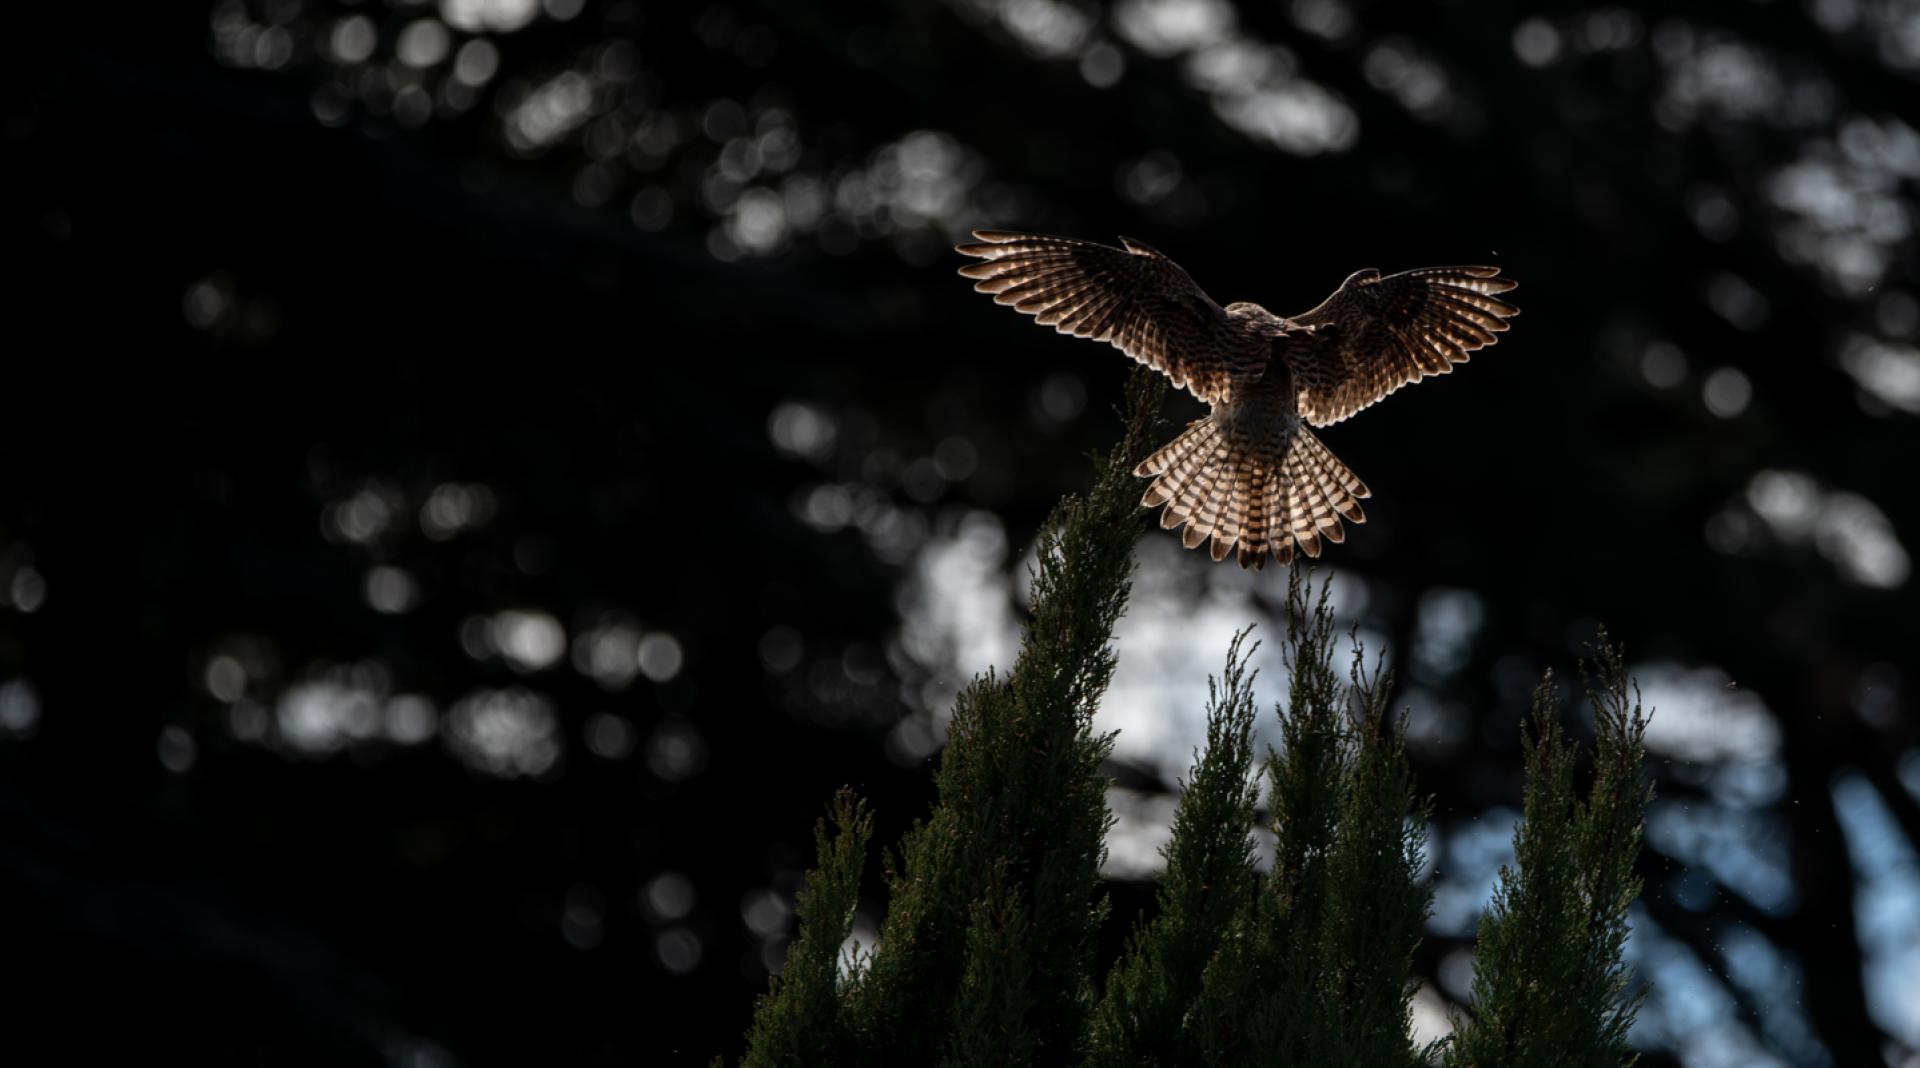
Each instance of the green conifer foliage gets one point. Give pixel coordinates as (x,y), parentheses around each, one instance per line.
(1314,970)
(799,1020)
(986,956)
(1144,1019)
(1549,983)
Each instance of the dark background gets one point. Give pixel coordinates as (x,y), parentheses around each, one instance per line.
(466,506)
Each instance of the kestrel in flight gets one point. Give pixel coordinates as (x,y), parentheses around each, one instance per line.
(1250,475)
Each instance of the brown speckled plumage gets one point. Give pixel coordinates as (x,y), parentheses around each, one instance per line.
(1250,478)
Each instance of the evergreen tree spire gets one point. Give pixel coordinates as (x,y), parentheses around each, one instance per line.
(1315,970)
(1144,1017)
(800,1020)
(987,951)
(1549,985)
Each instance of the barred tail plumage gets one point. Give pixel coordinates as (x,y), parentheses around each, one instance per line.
(1253,490)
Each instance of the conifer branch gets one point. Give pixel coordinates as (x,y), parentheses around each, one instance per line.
(1143,1019)
(798,1021)
(1549,980)
(1315,971)
(1022,807)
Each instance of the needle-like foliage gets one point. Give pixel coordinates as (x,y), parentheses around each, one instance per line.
(986,955)
(800,1019)
(1146,1016)
(1550,987)
(1314,969)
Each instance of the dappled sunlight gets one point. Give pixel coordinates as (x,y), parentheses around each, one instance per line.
(740,165)
(958,620)
(1775,984)
(19,709)
(1692,1012)
(1047,28)
(23,588)
(1793,509)
(1254,84)
(1846,202)
(1888,901)
(608,651)
(1743,850)
(324,709)
(1183,614)
(1403,70)
(336,707)
(1888,373)
(332,708)
(508,733)
(670,902)
(1469,857)
(1447,625)
(1142,827)
(1704,717)
(527,640)
(1714,75)
(1431,1015)
(549,111)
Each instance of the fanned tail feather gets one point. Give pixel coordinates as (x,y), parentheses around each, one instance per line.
(1180,463)
(1233,489)
(1321,492)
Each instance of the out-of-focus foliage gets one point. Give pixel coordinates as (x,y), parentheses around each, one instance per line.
(475,473)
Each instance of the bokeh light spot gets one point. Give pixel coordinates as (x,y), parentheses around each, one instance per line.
(678,949)
(803,430)
(477,62)
(176,750)
(528,640)
(1536,43)
(676,751)
(496,16)
(1102,65)
(1663,365)
(353,39)
(423,43)
(765,912)
(248,721)
(226,678)
(1726,392)
(609,736)
(19,708)
(583,917)
(507,733)
(410,719)
(608,653)
(28,590)
(667,897)
(391,590)
(659,656)
(780,649)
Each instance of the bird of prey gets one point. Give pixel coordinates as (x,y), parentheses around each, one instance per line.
(1250,476)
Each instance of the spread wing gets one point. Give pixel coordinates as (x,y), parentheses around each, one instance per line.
(1374,334)
(1133,298)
